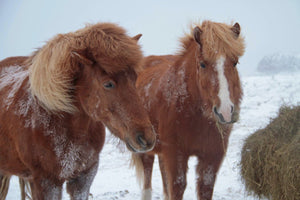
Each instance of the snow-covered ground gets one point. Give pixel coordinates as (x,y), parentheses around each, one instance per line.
(263,96)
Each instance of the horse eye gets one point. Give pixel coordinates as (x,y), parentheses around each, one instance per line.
(202,65)
(109,85)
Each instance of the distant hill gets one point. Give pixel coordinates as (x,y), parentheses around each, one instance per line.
(273,64)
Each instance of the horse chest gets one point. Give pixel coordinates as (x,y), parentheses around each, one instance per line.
(58,149)
(72,158)
(190,133)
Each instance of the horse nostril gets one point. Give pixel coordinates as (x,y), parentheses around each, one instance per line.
(232,109)
(220,116)
(216,111)
(141,140)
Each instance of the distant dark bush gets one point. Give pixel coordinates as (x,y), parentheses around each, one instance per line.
(279,63)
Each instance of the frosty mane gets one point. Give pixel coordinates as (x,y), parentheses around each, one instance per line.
(217,39)
(53,67)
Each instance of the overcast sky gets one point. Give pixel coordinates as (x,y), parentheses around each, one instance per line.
(269,26)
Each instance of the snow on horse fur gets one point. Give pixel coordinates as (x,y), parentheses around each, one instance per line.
(193,99)
(55,104)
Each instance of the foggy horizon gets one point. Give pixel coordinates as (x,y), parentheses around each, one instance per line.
(269,27)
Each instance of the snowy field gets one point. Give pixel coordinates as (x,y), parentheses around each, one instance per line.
(263,96)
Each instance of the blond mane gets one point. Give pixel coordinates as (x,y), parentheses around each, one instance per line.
(216,39)
(52,68)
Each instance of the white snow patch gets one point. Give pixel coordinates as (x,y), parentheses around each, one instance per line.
(146,96)
(83,192)
(208,176)
(34,115)
(52,191)
(147,88)
(147,194)
(174,87)
(69,160)
(11,76)
(95,112)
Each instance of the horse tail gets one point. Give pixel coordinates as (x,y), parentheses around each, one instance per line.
(136,162)
(4,185)
(25,189)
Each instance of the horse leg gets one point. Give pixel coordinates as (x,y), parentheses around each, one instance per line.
(79,188)
(206,176)
(25,189)
(175,167)
(164,178)
(4,185)
(45,189)
(22,188)
(147,161)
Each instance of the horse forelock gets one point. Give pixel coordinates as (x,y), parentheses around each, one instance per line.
(218,43)
(110,46)
(217,39)
(52,67)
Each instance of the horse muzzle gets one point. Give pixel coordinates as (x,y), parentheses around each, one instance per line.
(142,142)
(225,116)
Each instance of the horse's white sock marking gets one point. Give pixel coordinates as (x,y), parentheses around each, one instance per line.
(147,194)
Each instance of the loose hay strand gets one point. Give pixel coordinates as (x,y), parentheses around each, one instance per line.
(222,135)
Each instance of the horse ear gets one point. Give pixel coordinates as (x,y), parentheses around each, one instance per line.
(197,34)
(79,56)
(236,29)
(137,37)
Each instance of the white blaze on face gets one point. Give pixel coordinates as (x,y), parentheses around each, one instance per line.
(225,103)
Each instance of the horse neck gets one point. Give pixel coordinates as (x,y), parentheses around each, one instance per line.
(79,121)
(59,122)
(19,102)
(187,65)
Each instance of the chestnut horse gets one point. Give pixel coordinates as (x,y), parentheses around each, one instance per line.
(192,99)
(55,104)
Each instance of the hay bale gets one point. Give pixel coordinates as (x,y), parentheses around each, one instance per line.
(270,163)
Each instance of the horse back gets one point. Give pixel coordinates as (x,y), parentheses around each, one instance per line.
(163,60)
(10,85)
(154,68)
(11,61)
